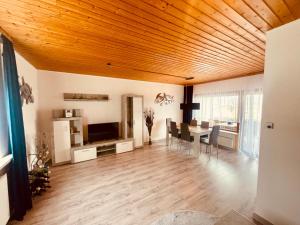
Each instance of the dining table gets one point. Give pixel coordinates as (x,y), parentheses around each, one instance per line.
(196,132)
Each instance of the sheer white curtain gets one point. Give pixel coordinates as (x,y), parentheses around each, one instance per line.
(223,106)
(251,110)
(243,106)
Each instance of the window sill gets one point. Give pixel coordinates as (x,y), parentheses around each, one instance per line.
(5,161)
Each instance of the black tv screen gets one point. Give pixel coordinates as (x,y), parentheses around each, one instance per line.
(103,131)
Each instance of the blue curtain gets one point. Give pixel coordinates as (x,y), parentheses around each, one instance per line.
(20,196)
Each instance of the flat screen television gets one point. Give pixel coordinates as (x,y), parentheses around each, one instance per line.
(103,131)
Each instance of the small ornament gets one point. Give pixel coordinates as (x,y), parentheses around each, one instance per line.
(26,92)
(163,98)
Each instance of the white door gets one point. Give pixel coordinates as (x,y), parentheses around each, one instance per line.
(62,141)
(138,121)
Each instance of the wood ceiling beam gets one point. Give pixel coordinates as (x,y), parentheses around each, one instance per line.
(280,8)
(91,66)
(208,52)
(47,41)
(153,40)
(263,11)
(57,25)
(294,7)
(122,60)
(205,17)
(160,22)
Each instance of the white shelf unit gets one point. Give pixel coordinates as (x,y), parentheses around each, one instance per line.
(228,140)
(85,154)
(92,151)
(67,133)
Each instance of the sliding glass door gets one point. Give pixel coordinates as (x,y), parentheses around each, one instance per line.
(251,109)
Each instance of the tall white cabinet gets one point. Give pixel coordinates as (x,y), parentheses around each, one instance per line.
(67,134)
(133,119)
(62,141)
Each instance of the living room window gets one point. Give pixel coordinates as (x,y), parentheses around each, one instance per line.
(3,116)
(221,107)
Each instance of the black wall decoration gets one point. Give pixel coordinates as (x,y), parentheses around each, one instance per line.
(188,106)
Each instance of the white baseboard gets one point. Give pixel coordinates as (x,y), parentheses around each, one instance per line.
(260,219)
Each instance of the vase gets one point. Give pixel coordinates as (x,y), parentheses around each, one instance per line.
(150,142)
(149,132)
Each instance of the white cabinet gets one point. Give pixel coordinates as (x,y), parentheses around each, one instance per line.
(4,203)
(84,155)
(124,146)
(138,120)
(133,119)
(228,139)
(67,134)
(62,141)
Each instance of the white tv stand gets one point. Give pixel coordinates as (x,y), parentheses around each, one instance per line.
(93,150)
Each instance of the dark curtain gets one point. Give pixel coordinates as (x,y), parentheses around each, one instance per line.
(20,196)
(188,98)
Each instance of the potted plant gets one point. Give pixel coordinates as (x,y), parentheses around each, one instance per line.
(149,117)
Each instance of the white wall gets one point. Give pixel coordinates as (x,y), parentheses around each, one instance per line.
(26,70)
(278,192)
(52,85)
(236,84)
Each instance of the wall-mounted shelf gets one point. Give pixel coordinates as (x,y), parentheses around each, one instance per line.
(85,97)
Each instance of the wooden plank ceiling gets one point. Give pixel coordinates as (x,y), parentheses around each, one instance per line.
(153,40)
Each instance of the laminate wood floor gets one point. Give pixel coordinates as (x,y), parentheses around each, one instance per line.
(138,187)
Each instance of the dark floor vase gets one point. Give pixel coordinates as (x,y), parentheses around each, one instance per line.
(149,117)
(149,131)
(20,196)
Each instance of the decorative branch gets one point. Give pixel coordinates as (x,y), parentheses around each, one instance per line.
(149,117)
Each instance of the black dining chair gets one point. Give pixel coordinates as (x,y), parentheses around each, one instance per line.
(174,133)
(211,141)
(186,135)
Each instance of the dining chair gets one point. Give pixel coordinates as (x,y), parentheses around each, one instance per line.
(168,130)
(174,133)
(186,135)
(168,123)
(193,123)
(211,141)
(204,124)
